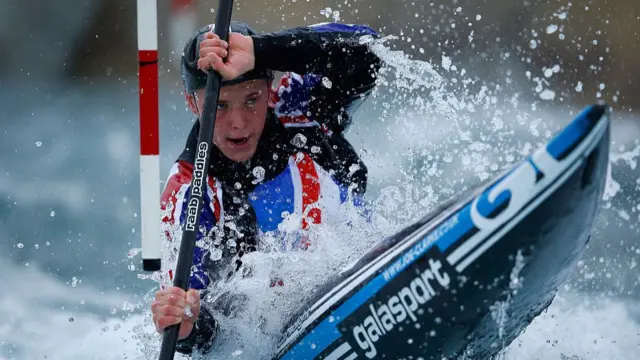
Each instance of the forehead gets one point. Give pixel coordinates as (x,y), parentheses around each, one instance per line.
(242,89)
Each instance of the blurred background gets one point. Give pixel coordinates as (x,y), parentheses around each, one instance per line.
(593,42)
(69,185)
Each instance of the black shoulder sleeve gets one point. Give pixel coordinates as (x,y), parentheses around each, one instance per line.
(336,61)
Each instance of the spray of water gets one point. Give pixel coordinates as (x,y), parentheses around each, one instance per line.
(424,142)
(438,133)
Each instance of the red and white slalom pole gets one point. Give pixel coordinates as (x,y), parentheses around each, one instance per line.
(149,133)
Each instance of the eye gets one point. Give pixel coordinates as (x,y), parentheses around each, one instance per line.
(252,101)
(222,106)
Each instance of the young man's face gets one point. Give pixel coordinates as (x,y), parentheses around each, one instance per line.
(242,110)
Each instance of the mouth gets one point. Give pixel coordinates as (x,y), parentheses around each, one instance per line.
(239,141)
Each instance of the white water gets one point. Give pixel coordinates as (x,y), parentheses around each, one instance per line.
(575,326)
(470,130)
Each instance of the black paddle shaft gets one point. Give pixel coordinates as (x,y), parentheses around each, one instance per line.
(199,178)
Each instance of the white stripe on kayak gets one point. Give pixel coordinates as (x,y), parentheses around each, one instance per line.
(351,357)
(338,352)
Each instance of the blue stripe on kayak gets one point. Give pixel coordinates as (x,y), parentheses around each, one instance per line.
(571,135)
(458,231)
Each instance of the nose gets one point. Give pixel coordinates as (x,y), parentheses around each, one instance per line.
(237,120)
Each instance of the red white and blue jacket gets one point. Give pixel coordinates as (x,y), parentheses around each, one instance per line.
(303,169)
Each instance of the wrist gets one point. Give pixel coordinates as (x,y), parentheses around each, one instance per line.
(260,48)
(192,330)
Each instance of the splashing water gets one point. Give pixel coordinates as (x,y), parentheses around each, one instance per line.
(430,145)
(418,92)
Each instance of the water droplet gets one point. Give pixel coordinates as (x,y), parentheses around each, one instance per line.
(237,186)
(71,319)
(53,213)
(36,246)
(353,168)
(258,173)
(478,17)
(216,254)
(299,140)
(20,245)
(326,82)
(533,44)
(133,252)
(38,143)
(561,16)
(446,62)
(547,94)
(47,243)
(74,281)
(552,28)
(327,12)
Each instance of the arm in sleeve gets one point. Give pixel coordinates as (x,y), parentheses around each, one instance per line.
(337,69)
(174,208)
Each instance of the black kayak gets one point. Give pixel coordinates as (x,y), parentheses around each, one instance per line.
(472,274)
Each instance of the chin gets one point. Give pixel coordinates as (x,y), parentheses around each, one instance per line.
(239,156)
